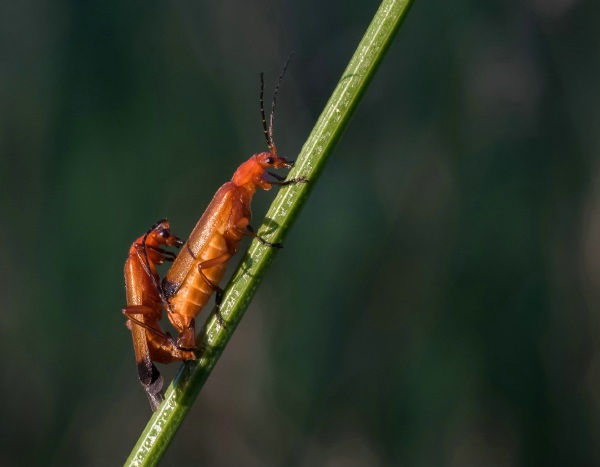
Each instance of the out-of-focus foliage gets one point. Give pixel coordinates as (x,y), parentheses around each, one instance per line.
(436,303)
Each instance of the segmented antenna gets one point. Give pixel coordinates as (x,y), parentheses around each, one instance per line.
(272,116)
(148,270)
(268,130)
(262,110)
(163,299)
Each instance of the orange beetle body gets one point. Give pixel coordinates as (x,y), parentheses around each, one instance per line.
(200,266)
(197,271)
(144,309)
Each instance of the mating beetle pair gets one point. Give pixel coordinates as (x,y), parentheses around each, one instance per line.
(199,267)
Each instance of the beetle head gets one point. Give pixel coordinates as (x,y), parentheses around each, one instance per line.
(270,160)
(160,234)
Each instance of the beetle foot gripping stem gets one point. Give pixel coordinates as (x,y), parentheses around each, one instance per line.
(281,181)
(252,233)
(218,301)
(218,290)
(220,318)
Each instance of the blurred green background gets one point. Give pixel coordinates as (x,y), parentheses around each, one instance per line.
(437,301)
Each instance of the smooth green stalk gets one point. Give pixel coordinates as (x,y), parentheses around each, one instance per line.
(285,208)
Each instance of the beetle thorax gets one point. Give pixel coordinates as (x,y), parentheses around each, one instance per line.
(246,173)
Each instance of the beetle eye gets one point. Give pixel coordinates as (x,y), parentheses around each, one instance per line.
(164,233)
(270,160)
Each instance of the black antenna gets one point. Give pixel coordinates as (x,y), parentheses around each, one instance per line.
(163,299)
(268,130)
(272,116)
(262,110)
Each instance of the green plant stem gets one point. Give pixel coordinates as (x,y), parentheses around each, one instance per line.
(285,208)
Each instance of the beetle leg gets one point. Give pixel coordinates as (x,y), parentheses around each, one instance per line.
(165,255)
(218,295)
(162,346)
(277,176)
(165,338)
(210,263)
(187,336)
(167,351)
(251,233)
(131,310)
(280,180)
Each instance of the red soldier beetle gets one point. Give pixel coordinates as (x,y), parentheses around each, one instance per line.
(199,267)
(144,308)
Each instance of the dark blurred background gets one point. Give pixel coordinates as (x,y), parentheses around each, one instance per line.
(436,302)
